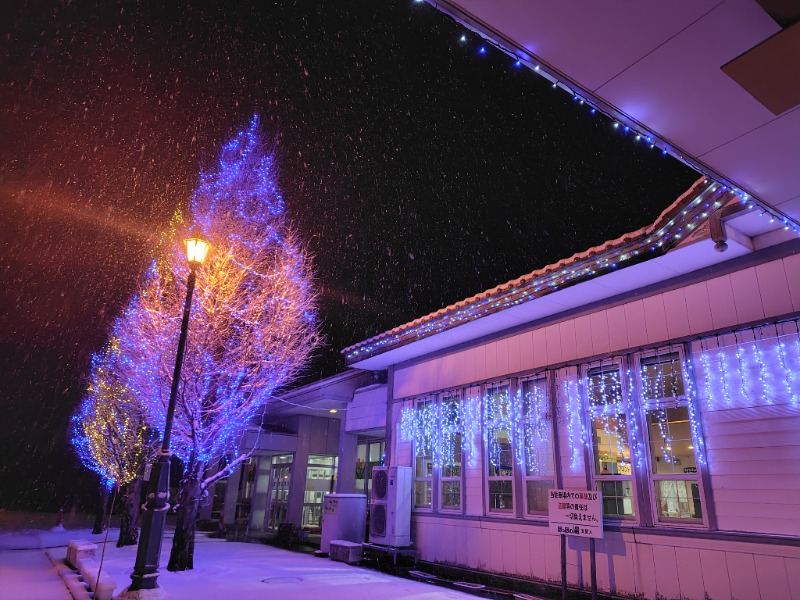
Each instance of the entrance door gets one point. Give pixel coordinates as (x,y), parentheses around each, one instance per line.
(278,490)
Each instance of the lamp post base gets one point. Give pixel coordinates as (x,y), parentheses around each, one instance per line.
(151,594)
(145,571)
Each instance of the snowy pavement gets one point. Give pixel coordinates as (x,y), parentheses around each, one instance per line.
(237,571)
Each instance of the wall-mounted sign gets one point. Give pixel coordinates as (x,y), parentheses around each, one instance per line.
(576,512)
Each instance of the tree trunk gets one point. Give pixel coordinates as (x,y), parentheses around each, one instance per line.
(99,518)
(129,524)
(181,557)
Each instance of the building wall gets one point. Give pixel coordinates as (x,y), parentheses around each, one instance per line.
(368,409)
(627,563)
(749,543)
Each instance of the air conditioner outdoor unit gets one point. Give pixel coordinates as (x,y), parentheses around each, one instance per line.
(390,507)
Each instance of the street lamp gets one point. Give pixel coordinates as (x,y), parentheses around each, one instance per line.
(145,571)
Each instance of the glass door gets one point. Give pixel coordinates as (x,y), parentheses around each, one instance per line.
(320,480)
(278,490)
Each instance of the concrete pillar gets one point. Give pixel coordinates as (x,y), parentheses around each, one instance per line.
(348,452)
(231,496)
(297,480)
(258,510)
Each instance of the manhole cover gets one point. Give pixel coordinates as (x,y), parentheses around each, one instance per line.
(281,580)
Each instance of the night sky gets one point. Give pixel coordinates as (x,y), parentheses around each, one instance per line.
(419,171)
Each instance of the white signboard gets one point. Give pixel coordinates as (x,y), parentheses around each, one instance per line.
(576,512)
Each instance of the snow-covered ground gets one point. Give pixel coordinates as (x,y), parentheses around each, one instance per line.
(228,570)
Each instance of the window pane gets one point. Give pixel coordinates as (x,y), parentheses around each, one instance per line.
(617,497)
(500,495)
(671,447)
(450,410)
(451,494)
(536,492)
(422,494)
(451,459)
(662,376)
(535,403)
(375,452)
(423,467)
(501,459)
(451,438)
(537,439)
(604,385)
(538,449)
(611,451)
(678,499)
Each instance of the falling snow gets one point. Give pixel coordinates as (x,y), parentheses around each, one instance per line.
(419,170)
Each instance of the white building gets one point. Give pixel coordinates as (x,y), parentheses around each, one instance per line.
(656,369)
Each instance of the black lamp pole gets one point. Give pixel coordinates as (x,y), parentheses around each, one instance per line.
(145,571)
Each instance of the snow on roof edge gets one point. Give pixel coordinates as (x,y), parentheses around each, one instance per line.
(674,210)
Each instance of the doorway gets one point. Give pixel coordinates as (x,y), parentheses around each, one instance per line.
(278,490)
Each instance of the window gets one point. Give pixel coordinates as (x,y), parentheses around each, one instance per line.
(279,490)
(370,453)
(423,452)
(320,480)
(670,444)
(536,448)
(499,454)
(450,473)
(611,450)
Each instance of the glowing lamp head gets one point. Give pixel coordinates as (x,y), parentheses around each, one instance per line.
(196,250)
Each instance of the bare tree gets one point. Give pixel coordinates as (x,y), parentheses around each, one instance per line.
(111,436)
(252,329)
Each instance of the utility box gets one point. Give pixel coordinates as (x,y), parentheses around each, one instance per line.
(390,516)
(346,552)
(344,517)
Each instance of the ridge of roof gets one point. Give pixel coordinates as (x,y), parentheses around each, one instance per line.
(662,235)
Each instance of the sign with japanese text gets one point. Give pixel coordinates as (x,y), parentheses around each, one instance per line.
(576,512)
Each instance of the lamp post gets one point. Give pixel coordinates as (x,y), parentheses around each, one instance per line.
(145,570)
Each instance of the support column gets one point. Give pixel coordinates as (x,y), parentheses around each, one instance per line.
(348,452)
(297,480)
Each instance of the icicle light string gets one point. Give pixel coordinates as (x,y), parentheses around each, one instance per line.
(524,419)
(780,351)
(576,426)
(766,392)
(535,432)
(694,418)
(742,368)
(759,366)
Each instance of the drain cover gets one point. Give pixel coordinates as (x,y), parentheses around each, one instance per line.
(282,580)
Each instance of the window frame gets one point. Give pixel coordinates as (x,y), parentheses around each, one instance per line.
(429,400)
(591,412)
(488,478)
(439,471)
(647,405)
(544,379)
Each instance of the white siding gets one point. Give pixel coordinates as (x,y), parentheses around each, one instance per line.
(645,565)
(368,409)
